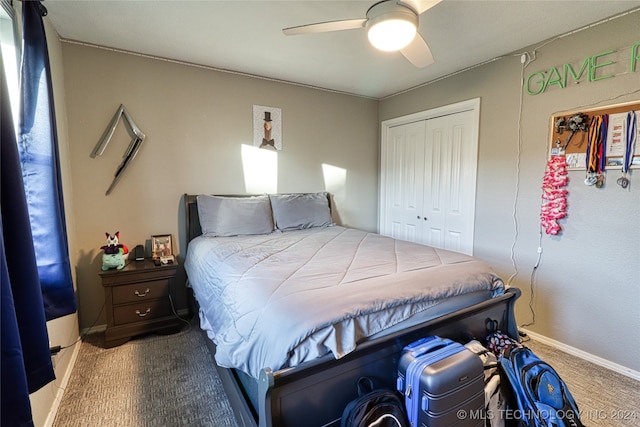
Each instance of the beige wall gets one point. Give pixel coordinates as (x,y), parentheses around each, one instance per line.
(587,288)
(196,121)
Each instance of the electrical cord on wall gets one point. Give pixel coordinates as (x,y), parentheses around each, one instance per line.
(526,58)
(80,338)
(57,349)
(175,312)
(516,225)
(532,279)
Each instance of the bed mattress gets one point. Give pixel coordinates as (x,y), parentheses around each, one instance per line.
(280,299)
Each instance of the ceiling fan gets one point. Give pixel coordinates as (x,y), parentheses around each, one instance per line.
(391,26)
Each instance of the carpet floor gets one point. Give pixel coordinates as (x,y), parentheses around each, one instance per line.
(153,381)
(170,381)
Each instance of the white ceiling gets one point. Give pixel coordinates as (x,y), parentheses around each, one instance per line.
(246,36)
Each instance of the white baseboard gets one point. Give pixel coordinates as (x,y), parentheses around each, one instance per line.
(584,355)
(61,388)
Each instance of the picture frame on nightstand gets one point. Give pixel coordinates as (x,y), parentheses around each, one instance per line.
(162,247)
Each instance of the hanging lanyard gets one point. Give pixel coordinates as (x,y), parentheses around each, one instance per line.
(632,122)
(593,146)
(602,148)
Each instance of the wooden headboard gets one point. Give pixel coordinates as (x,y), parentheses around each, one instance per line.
(192,220)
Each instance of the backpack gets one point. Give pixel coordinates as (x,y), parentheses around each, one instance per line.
(543,398)
(495,394)
(374,407)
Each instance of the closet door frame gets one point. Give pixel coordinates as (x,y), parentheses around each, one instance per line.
(459,107)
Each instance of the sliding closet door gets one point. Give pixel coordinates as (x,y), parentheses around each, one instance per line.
(428,177)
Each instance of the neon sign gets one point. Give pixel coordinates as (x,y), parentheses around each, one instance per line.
(593,68)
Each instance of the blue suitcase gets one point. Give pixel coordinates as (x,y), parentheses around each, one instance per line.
(443,384)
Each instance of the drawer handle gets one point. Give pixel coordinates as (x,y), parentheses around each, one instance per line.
(143,314)
(142,295)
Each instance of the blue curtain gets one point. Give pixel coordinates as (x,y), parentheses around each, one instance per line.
(26,361)
(38,149)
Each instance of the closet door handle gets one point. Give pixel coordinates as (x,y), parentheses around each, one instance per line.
(425,218)
(418,216)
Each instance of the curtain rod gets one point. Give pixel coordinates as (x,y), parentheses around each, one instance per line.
(43,10)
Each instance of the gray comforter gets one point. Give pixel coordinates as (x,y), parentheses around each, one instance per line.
(279,299)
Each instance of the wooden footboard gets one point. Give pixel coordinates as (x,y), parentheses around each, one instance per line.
(316,392)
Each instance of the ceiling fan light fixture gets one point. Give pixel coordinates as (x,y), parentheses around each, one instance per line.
(391,26)
(391,35)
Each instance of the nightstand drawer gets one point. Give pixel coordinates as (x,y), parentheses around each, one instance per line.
(142,311)
(138,292)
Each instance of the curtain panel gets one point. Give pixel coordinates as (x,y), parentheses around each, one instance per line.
(38,149)
(26,360)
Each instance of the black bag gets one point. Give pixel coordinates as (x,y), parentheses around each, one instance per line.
(374,407)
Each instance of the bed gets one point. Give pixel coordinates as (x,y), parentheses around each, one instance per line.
(297,308)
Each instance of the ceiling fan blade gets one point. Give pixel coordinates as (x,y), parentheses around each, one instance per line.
(325,27)
(420,6)
(418,52)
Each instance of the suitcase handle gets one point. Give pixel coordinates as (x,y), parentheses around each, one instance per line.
(428,345)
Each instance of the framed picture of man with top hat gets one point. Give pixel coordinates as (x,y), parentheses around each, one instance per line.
(267,127)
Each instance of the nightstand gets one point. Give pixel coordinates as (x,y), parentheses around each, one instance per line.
(137,300)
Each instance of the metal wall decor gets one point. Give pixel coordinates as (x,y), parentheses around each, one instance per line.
(131,151)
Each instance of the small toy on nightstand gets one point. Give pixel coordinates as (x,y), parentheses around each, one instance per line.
(115,253)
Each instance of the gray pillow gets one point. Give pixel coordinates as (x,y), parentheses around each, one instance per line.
(235,216)
(300,211)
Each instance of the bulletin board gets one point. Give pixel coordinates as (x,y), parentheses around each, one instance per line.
(570,135)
